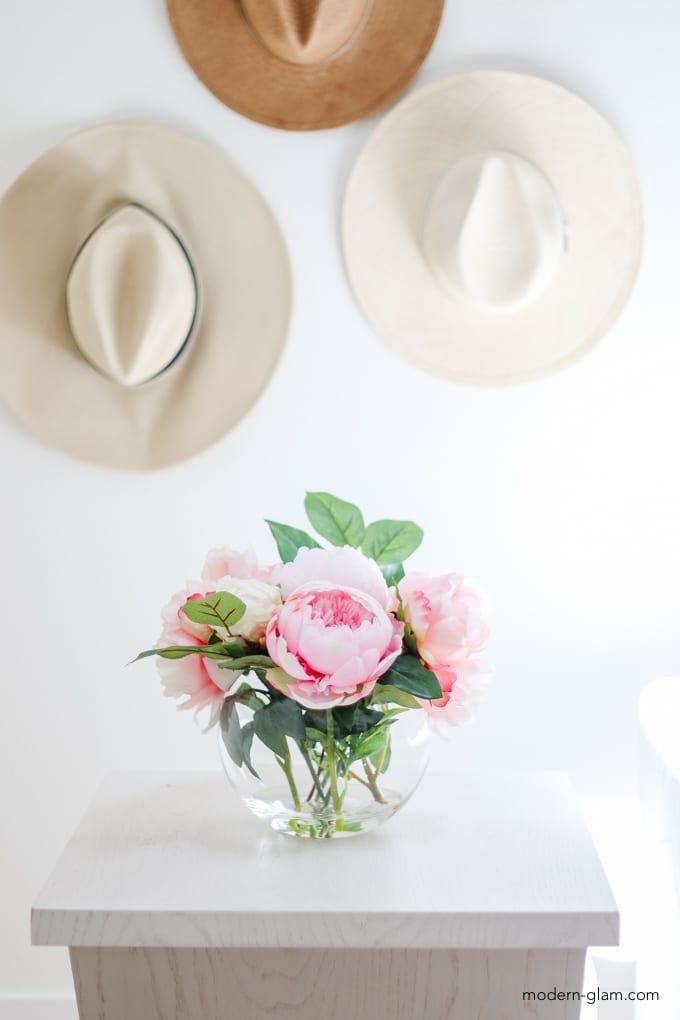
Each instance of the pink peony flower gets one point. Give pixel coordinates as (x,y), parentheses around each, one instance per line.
(344,567)
(199,681)
(332,644)
(226,562)
(447,618)
(462,689)
(174,619)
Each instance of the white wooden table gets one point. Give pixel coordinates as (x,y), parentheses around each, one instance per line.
(175,903)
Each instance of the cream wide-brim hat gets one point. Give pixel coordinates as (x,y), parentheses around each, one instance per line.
(389,203)
(243,285)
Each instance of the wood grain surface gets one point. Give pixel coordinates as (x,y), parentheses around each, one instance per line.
(473,861)
(295,984)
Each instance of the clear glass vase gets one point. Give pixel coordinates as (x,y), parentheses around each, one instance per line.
(334,782)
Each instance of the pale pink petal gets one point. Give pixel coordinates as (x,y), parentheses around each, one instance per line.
(174,619)
(229,562)
(385,663)
(222,678)
(447,616)
(362,692)
(310,697)
(333,643)
(342,567)
(278,650)
(349,676)
(327,648)
(462,691)
(189,680)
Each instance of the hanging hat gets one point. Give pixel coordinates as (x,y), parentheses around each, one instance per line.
(492,228)
(305,64)
(145,295)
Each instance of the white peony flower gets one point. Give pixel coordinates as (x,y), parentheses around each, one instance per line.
(261,601)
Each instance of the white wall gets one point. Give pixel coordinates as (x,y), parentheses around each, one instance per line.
(562,497)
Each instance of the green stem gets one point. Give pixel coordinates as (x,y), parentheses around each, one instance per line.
(316,785)
(332,771)
(287,768)
(320,780)
(364,782)
(371,777)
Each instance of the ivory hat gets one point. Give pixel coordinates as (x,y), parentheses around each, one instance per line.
(492,228)
(145,295)
(305,64)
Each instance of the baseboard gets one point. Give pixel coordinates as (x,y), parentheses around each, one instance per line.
(38,1007)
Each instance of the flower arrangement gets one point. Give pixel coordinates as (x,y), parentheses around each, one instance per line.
(315,659)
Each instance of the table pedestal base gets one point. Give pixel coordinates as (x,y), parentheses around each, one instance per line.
(335,984)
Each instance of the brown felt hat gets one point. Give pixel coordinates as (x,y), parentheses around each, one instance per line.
(305,64)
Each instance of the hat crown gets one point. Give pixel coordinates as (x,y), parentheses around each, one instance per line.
(131,296)
(494,232)
(305,31)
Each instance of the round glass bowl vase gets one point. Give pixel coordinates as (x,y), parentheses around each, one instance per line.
(332,783)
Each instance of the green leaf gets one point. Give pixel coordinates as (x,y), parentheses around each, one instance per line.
(334,519)
(235,648)
(290,540)
(355,718)
(410,675)
(268,734)
(390,542)
(248,697)
(248,662)
(219,650)
(365,718)
(279,719)
(385,694)
(172,652)
(315,736)
(247,733)
(393,573)
(221,609)
(369,743)
(317,720)
(410,643)
(343,720)
(381,760)
(231,732)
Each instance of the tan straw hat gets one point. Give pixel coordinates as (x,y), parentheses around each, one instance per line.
(492,228)
(145,295)
(305,64)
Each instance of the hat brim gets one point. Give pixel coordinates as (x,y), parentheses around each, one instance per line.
(244,283)
(389,192)
(372,70)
